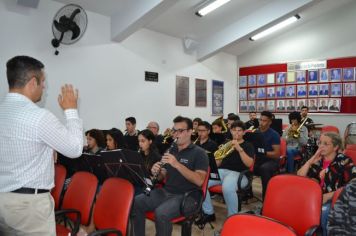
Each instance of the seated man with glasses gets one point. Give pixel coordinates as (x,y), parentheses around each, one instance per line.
(203,139)
(184,167)
(158,141)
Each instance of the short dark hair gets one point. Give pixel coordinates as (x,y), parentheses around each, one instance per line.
(239,124)
(185,120)
(197,119)
(295,115)
(118,138)
(205,124)
(304,107)
(98,135)
(233,116)
(217,122)
(268,114)
(131,119)
(21,69)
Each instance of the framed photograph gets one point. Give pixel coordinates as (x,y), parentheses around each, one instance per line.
(243,81)
(243,106)
(271,92)
(301,90)
(270,78)
(323,75)
(313,105)
(301,79)
(323,104)
(349,89)
(290,105)
(252,80)
(271,105)
(335,74)
(251,106)
(313,90)
(261,80)
(290,91)
(301,103)
(324,90)
(348,74)
(312,76)
(251,93)
(261,106)
(261,93)
(217,98)
(334,104)
(242,94)
(291,77)
(335,89)
(281,106)
(281,92)
(281,77)
(200,93)
(182,91)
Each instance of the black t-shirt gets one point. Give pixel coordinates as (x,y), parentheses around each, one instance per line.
(131,141)
(149,160)
(209,145)
(218,138)
(233,160)
(192,157)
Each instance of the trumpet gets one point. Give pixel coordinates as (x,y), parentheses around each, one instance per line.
(296,133)
(224,150)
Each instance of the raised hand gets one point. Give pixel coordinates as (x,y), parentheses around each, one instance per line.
(68,99)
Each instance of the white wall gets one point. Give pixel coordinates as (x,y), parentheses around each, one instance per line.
(331,35)
(110,76)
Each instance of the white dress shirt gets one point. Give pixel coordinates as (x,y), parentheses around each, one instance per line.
(28,136)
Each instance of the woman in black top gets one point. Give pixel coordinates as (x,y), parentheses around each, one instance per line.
(115,139)
(148,149)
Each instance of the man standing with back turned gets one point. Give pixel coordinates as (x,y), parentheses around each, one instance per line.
(28,137)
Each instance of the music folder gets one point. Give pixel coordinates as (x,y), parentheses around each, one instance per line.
(214,173)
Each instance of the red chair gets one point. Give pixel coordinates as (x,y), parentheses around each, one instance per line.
(330,128)
(351,146)
(247,225)
(60,173)
(285,126)
(336,196)
(352,154)
(77,203)
(295,201)
(186,219)
(113,206)
(283,153)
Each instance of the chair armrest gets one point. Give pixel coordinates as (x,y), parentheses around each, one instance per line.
(314,230)
(105,231)
(74,225)
(191,203)
(248,175)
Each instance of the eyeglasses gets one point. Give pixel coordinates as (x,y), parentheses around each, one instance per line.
(178,130)
(323,143)
(202,130)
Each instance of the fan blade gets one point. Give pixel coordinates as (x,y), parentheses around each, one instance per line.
(75,30)
(60,27)
(74,13)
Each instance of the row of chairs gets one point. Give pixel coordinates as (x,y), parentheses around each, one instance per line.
(111,209)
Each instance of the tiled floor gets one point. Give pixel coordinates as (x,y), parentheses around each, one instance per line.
(220,212)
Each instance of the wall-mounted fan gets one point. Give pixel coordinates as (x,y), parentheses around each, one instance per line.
(69,25)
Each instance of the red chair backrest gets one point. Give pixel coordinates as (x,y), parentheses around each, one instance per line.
(113,205)
(205,183)
(352,154)
(336,196)
(247,225)
(283,149)
(329,128)
(351,147)
(60,173)
(293,200)
(80,195)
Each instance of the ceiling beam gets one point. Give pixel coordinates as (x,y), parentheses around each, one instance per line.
(136,15)
(261,18)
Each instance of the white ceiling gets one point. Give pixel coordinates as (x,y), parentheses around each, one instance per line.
(226,29)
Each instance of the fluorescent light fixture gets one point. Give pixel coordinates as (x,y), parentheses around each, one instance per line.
(211,7)
(275,27)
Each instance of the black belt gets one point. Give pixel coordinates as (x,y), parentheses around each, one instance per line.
(30,190)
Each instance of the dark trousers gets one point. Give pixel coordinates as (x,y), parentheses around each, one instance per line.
(166,206)
(266,170)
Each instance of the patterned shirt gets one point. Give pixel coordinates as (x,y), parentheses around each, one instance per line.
(28,136)
(340,171)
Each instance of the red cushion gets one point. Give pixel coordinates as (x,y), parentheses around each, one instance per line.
(216,188)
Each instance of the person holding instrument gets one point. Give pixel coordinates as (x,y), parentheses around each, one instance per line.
(184,168)
(296,136)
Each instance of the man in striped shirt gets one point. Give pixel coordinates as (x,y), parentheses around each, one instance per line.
(28,137)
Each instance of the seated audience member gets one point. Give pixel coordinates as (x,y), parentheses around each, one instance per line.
(295,139)
(131,133)
(231,118)
(115,139)
(159,138)
(252,123)
(219,129)
(185,168)
(330,168)
(268,166)
(95,141)
(240,159)
(304,114)
(342,218)
(203,139)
